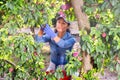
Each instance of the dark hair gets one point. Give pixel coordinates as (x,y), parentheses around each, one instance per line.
(68,30)
(54,20)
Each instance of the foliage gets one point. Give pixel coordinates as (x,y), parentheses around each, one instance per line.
(28,13)
(90,75)
(103,42)
(74,63)
(73,66)
(20,55)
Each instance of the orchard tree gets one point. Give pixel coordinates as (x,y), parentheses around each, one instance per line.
(99,26)
(20,55)
(83,23)
(102,43)
(98,22)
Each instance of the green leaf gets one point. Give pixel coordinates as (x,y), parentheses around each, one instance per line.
(118,67)
(114,2)
(100,1)
(84,47)
(85,38)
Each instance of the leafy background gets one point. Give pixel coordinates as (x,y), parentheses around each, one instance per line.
(21,57)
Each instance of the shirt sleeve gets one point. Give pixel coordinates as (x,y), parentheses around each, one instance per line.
(66,43)
(44,38)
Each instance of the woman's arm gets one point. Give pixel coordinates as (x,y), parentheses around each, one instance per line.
(42,38)
(40,33)
(62,43)
(65,43)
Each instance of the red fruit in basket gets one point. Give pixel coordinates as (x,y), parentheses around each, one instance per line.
(45,78)
(66,78)
(47,72)
(64,72)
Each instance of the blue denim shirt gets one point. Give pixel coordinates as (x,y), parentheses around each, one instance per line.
(58,50)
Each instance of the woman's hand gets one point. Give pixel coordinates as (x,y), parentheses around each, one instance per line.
(40,33)
(49,31)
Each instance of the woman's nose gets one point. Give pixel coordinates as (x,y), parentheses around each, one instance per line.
(60,25)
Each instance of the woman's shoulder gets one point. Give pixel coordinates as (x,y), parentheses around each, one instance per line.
(69,35)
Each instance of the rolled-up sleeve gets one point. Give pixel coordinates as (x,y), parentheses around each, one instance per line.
(44,38)
(66,43)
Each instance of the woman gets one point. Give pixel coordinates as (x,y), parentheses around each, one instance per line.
(60,41)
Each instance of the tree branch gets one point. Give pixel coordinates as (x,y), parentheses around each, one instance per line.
(8,61)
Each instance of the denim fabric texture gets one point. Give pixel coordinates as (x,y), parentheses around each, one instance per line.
(58,50)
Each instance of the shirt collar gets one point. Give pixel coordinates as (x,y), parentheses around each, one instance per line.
(65,35)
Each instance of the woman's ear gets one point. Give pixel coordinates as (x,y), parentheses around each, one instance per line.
(67,26)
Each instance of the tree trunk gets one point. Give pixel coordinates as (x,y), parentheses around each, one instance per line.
(83,23)
(82,18)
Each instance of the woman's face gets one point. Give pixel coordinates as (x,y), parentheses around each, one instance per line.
(61,25)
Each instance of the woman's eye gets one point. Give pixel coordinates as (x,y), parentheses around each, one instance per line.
(59,22)
(64,23)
